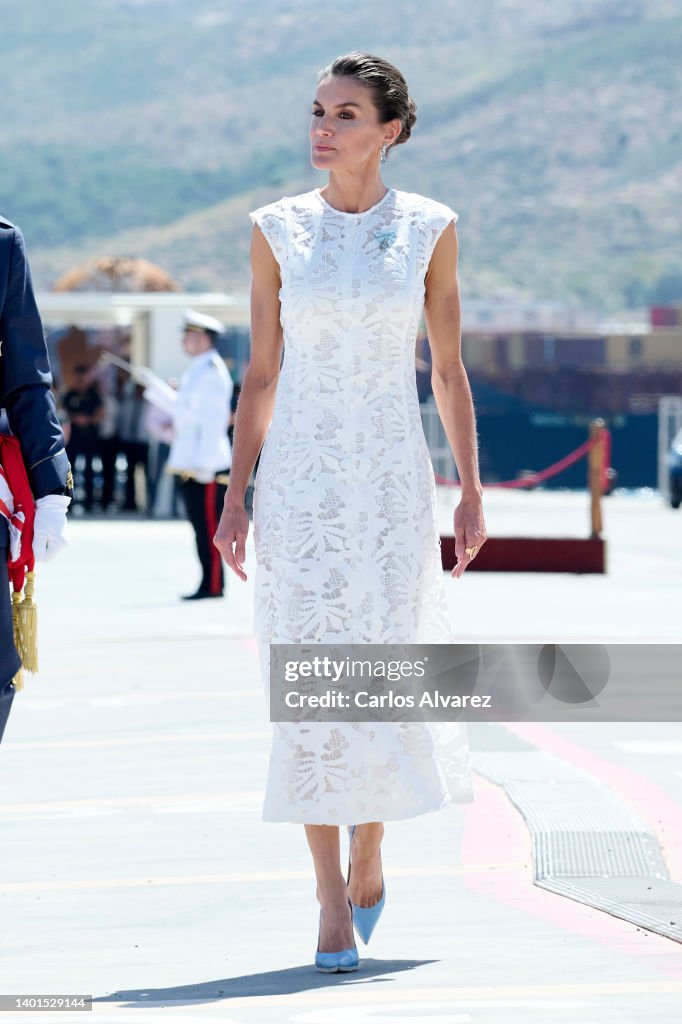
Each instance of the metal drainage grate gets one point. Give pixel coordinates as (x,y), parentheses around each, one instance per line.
(587,844)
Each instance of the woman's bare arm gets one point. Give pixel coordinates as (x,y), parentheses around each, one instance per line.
(451,390)
(256,399)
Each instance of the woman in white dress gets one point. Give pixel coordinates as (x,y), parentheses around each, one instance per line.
(345,516)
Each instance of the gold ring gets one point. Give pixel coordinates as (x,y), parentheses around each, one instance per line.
(471,552)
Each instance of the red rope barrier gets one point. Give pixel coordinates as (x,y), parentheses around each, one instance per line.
(555,468)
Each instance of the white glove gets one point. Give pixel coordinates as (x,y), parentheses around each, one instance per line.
(49,528)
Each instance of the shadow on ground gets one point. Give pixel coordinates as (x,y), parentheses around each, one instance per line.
(272,983)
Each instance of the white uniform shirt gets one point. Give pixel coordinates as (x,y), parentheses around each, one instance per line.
(201,412)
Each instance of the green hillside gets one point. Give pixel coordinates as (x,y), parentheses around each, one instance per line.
(151,127)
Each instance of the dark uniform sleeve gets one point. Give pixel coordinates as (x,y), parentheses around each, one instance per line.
(25,377)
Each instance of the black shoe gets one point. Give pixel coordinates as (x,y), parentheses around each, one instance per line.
(200,594)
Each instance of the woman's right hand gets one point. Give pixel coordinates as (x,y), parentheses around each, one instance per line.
(230,538)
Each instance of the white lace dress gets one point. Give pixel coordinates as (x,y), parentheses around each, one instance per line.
(345,522)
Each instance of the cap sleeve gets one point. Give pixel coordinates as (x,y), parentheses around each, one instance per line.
(437,217)
(270,219)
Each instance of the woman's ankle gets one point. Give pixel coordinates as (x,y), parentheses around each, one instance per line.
(332,897)
(368,836)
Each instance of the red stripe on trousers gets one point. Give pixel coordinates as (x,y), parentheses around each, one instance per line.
(212,526)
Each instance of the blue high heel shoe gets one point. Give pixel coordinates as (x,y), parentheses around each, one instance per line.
(343,960)
(365,918)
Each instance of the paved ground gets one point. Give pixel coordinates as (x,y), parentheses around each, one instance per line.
(135,865)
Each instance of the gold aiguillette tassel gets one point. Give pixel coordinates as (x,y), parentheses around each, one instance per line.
(28,626)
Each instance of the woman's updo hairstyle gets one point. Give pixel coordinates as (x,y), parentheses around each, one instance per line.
(389,88)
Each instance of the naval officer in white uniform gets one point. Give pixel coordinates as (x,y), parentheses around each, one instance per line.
(200,454)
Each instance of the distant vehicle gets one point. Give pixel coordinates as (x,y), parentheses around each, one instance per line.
(675,470)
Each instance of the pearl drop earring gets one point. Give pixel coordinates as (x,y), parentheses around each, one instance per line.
(382,154)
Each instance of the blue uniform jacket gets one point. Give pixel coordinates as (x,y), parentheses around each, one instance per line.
(25,377)
(25,395)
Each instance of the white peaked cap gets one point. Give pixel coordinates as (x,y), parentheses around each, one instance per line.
(203,322)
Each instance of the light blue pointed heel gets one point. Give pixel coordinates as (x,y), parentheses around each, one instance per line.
(342,960)
(365,918)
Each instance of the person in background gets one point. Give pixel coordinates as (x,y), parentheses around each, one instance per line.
(31,415)
(108,446)
(84,406)
(133,439)
(200,454)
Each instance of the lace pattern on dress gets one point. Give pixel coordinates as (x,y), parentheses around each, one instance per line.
(345,518)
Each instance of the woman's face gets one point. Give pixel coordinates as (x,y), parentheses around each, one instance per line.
(345,132)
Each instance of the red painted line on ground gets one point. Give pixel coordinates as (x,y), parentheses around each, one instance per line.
(491,822)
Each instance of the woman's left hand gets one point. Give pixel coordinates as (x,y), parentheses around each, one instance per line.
(470,531)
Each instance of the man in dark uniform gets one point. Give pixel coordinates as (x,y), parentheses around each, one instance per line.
(25,395)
